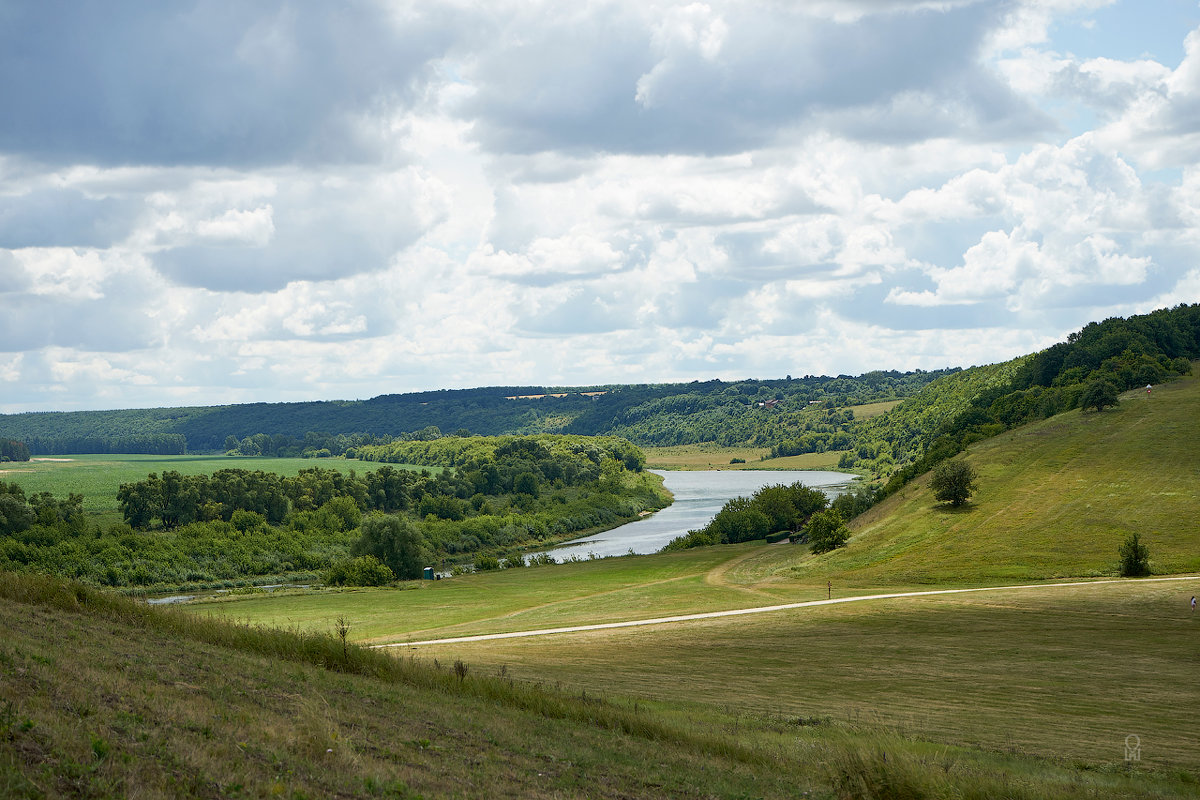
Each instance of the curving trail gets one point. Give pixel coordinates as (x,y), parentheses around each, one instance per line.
(765,609)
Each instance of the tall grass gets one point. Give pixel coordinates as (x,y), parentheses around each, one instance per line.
(330,651)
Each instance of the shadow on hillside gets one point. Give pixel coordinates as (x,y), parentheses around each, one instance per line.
(946,508)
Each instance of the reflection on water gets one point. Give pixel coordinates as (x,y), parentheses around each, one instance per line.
(699,496)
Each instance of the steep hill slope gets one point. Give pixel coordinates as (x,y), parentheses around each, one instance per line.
(1055,498)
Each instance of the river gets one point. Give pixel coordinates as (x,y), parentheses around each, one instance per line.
(699,495)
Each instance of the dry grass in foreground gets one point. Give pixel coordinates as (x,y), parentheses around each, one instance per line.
(103,697)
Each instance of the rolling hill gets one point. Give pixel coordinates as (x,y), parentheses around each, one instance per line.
(1056,498)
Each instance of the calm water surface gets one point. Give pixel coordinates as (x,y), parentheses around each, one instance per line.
(699,495)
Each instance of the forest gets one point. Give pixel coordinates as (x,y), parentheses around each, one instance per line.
(646,414)
(502,494)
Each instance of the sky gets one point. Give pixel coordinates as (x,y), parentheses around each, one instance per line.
(212,201)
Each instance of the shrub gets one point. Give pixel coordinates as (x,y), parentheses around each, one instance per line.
(1135,557)
(394,541)
(1099,394)
(826,531)
(247,520)
(485,563)
(361,571)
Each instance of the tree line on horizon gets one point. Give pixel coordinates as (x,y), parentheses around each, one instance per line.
(647,414)
(940,412)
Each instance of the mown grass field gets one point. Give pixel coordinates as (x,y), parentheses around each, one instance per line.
(868,410)
(1057,673)
(130,701)
(98,477)
(604,590)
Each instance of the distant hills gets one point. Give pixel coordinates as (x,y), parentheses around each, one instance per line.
(942,411)
(674,413)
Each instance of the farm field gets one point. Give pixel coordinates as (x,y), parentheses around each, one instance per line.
(97,477)
(705,456)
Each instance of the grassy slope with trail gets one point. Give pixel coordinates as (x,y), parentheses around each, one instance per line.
(1060,673)
(126,700)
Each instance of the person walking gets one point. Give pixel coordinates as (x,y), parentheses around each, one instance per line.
(1193,604)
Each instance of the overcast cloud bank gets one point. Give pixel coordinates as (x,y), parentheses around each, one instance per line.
(220,202)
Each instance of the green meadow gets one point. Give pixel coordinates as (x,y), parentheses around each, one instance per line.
(601,590)
(98,477)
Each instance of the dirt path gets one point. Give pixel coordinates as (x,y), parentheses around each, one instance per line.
(764,609)
(717,575)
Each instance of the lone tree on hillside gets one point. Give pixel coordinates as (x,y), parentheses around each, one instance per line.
(953,482)
(1099,394)
(1135,557)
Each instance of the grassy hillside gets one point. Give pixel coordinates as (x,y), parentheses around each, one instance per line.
(1056,498)
(130,701)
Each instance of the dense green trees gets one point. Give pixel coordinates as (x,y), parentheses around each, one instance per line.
(239,524)
(56,444)
(396,543)
(712,411)
(15,513)
(772,509)
(12,450)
